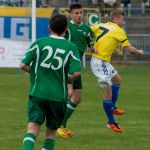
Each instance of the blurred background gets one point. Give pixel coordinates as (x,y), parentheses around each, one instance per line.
(16,25)
(89,121)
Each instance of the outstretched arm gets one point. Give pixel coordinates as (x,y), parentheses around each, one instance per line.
(131,49)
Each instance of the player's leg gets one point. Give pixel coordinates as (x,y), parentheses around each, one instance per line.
(52,113)
(70,90)
(116,80)
(30,137)
(103,72)
(35,119)
(49,141)
(63,131)
(74,94)
(55,112)
(75,99)
(109,108)
(71,106)
(107,102)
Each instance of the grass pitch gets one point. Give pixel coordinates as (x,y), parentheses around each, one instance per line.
(89,120)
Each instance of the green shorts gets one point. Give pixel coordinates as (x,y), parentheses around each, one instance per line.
(40,110)
(77,84)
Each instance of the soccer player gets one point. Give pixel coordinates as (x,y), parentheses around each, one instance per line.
(49,60)
(106,38)
(81,35)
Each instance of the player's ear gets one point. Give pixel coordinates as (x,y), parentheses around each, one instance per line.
(66,29)
(49,27)
(69,16)
(116,20)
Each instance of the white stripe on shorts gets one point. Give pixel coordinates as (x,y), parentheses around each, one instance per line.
(70,107)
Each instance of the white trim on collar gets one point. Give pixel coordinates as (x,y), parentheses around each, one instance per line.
(76,24)
(57,37)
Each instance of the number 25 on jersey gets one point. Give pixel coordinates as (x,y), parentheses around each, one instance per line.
(56,57)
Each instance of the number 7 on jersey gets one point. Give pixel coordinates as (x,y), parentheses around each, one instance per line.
(105,30)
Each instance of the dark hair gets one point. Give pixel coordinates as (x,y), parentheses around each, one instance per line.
(115,14)
(58,23)
(75,6)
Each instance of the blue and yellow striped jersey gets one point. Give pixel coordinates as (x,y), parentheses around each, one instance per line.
(107,36)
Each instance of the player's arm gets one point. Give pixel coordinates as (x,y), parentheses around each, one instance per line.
(75,65)
(25,67)
(131,49)
(126,44)
(92,31)
(29,56)
(119,50)
(90,42)
(67,33)
(73,76)
(90,38)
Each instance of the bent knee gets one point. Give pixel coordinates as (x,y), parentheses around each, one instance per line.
(116,79)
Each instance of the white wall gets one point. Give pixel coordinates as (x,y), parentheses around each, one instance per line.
(11,52)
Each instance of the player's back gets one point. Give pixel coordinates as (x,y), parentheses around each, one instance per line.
(52,66)
(106,38)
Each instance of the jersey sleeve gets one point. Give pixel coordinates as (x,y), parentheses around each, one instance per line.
(93,28)
(90,38)
(30,54)
(123,38)
(67,34)
(75,63)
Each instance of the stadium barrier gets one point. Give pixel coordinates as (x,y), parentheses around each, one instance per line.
(140,41)
(11,52)
(15,24)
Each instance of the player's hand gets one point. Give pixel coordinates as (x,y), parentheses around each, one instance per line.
(70,78)
(141,52)
(73,76)
(93,50)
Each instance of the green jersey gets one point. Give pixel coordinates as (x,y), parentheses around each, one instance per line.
(81,35)
(51,59)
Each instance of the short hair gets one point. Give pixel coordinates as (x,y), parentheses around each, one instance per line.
(75,6)
(58,23)
(115,14)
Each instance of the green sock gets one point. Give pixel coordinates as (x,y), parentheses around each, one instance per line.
(48,144)
(70,109)
(28,141)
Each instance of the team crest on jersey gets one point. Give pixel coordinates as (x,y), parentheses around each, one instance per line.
(79,30)
(84,33)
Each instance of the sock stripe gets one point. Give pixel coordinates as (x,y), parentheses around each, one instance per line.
(70,107)
(28,139)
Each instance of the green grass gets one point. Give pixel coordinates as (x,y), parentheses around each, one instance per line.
(89,120)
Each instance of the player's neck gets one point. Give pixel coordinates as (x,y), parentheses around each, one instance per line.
(55,34)
(76,23)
